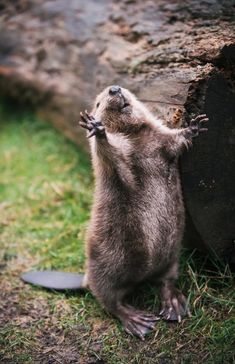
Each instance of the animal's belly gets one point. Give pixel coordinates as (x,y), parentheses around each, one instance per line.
(151,217)
(162,220)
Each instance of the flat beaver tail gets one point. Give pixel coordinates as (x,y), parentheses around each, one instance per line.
(55,280)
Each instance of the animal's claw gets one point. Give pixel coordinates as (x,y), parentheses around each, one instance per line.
(89,123)
(195,125)
(175,307)
(138,323)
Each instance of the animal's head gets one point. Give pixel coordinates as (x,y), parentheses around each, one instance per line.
(119,110)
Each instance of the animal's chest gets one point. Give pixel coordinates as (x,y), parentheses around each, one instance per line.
(155,168)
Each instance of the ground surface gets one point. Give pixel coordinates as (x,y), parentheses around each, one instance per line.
(45,199)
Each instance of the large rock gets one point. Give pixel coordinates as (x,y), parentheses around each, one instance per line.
(57,55)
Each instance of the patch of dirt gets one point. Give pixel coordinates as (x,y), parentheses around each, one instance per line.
(47,336)
(26,311)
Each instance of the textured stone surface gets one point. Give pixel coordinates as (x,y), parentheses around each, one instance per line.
(57,55)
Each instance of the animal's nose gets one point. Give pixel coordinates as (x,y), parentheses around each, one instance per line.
(114,90)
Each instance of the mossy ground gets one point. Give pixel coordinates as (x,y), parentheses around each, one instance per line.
(45,197)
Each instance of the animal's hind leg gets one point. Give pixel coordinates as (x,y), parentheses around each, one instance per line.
(174,303)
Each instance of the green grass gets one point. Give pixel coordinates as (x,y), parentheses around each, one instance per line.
(45,198)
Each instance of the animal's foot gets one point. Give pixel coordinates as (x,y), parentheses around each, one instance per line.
(94,126)
(138,323)
(196,125)
(174,307)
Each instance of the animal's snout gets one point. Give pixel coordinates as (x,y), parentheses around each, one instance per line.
(115,89)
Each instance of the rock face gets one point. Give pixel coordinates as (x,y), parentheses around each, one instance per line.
(57,55)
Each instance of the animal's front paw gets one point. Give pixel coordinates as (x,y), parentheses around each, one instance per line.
(94,126)
(196,125)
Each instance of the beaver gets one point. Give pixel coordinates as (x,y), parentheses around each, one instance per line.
(138,215)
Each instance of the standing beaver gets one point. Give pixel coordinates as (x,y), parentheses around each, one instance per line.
(138,214)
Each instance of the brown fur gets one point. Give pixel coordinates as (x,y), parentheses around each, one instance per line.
(137,220)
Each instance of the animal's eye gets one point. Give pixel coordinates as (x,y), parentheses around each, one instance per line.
(97,105)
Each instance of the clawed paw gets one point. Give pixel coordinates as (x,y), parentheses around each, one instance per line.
(139,323)
(196,125)
(91,124)
(175,308)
